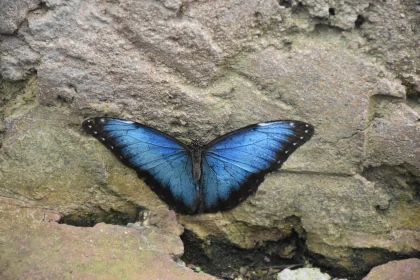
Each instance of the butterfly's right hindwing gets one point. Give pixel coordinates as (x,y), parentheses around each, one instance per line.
(164,161)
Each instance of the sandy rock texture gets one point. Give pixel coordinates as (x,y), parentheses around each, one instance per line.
(35,246)
(406,269)
(348,200)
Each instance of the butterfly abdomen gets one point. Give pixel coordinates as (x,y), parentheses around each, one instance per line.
(196,156)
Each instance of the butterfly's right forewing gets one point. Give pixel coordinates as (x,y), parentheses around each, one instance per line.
(235,164)
(164,161)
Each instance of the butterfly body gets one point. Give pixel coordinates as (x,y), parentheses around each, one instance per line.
(199,178)
(196,149)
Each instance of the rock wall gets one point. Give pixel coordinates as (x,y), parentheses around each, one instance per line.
(198,69)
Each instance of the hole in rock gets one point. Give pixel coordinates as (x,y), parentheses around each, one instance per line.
(331,11)
(228,261)
(413,96)
(416,186)
(91,217)
(285,3)
(359,21)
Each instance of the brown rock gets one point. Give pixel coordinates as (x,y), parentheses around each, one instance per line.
(166,220)
(408,269)
(33,248)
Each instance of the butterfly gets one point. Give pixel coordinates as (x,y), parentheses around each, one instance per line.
(199,178)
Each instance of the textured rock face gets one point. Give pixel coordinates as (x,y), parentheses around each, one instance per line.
(406,269)
(45,249)
(198,69)
(13,13)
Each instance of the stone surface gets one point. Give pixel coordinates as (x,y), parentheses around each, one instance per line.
(303,274)
(44,249)
(13,13)
(408,269)
(199,69)
(166,220)
(18,60)
(59,164)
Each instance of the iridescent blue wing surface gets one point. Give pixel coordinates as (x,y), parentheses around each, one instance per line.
(164,161)
(234,165)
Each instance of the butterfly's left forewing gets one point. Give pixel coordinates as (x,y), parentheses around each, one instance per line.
(162,160)
(234,165)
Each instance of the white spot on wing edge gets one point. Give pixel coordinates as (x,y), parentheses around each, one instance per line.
(265,124)
(127,122)
(293,124)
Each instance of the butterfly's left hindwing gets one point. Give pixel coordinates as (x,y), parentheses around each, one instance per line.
(163,160)
(235,164)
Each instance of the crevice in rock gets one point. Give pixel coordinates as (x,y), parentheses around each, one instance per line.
(359,21)
(360,262)
(93,216)
(300,8)
(225,260)
(285,3)
(41,9)
(413,93)
(323,28)
(317,173)
(228,261)
(413,101)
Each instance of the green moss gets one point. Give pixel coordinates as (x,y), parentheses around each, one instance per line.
(18,98)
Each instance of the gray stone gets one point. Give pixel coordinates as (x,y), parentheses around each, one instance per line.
(18,60)
(13,13)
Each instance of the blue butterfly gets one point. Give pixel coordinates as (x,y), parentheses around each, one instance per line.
(200,178)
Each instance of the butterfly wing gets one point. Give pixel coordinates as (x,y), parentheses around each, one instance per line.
(234,165)
(164,161)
